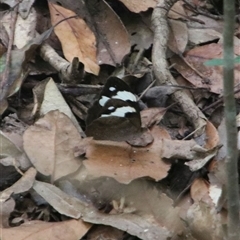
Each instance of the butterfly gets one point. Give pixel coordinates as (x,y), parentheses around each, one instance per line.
(115,115)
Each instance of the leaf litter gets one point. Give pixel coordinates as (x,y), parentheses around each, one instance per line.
(170,187)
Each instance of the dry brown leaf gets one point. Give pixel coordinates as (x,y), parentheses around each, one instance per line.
(125,163)
(9,148)
(76,38)
(50,145)
(212,137)
(24,29)
(105,232)
(200,75)
(5,211)
(205,222)
(178,36)
(178,149)
(199,191)
(153,214)
(48,98)
(140,33)
(59,200)
(113,45)
(198,36)
(22,185)
(177,11)
(139,6)
(152,116)
(70,230)
(216,190)
(211,146)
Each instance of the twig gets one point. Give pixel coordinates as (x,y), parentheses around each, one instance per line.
(160,64)
(9,49)
(201,11)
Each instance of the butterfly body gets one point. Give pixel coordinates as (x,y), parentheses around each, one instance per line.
(115,115)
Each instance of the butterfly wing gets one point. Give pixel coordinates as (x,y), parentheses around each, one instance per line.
(115,115)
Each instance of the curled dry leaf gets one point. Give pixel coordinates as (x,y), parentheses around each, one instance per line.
(179,149)
(47,97)
(210,149)
(10,149)
(50,145)
(113,46)
(61,201)
(154,214)
(76,38)
(71,230)
(18,67)
(200,190)
(125,163)
(22,185)
(152,116)
(212,137)
(199,74)
(177,11)
(205,223)
(7,208)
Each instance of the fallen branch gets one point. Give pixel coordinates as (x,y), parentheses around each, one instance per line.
(161,68)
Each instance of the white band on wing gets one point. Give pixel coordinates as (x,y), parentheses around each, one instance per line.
(125,95)
(120,112)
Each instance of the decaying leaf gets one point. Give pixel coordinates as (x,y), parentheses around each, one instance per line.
(24,29)
(62,202)
(113,46)
(199,74)
(76,38)
(205,223)
(18,68)
(47,97)
(139,6)
(50,145)
(22,185)
(71,229)
(153,216)
(178,37)
(7,208)
(125,163)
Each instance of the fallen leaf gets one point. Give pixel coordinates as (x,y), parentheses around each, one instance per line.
(50,145)
(199,191)
(205,222)
(152,116)
(199,74)
(113,46)
(18,68)
(47,97)
(71,230)
(24,29)
(76,38)
(140,33)
(7,208)
(178,36)
(153,215)
(22,185)
(125,163)
(137,7)
(62,202)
